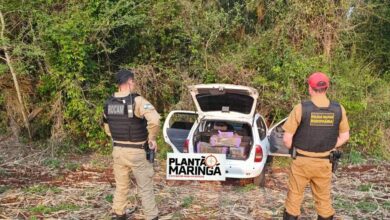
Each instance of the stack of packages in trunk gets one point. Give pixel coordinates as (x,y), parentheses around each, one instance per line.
(233,145)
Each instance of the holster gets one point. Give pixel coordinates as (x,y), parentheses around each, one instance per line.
(334,158)
(149,152)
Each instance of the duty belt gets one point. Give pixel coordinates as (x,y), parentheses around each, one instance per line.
(139,146)
(302,155)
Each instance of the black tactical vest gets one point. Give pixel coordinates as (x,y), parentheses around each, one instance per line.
(319,127)
(123,124)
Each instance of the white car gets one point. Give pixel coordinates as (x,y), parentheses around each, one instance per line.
(226,110)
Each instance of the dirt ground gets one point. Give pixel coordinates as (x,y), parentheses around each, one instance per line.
(34,185)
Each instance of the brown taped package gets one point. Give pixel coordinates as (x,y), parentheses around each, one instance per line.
(203,147)
(217,140)
(238,152)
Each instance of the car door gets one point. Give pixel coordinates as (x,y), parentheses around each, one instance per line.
(275,138)
(177,127)
(261,127)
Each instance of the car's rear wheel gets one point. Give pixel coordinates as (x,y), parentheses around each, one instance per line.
(260,179)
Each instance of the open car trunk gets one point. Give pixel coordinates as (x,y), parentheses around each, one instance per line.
(224,137)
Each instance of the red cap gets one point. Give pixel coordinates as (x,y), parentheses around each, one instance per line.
(318,80)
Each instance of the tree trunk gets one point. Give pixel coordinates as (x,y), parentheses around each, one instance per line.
(15,79)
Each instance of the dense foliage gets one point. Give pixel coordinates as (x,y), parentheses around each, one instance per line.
(66,52)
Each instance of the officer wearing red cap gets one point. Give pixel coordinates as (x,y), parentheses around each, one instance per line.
(314,128)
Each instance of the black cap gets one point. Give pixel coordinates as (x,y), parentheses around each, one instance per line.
(123,75)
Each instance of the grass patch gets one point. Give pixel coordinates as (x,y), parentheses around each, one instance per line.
(109,198)
(367,206)
(72,166)
(365,187)
(247,188)
(343,204)
(226,202)
(3,189)
(281,162)
(41,189)
(177,215)
(3,173)
(355,157)
(386,205)
(98,164)
(52,163)
(49,209)
(187,201)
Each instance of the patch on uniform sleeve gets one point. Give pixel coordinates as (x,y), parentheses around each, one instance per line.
(321,119)
(148,106)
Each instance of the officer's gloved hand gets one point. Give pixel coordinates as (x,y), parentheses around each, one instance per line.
(153,145)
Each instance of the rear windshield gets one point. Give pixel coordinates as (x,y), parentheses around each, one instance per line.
(228,101)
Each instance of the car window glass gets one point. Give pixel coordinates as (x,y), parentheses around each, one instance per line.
(182,121)
(261,128)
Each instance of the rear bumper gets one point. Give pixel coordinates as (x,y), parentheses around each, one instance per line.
(244,171)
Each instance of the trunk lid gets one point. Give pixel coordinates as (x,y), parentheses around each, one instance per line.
(211,99)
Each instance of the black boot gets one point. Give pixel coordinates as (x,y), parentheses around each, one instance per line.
(118,217)
(322,218)
(287,216)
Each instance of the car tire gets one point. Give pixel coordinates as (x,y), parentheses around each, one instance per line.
(260,179)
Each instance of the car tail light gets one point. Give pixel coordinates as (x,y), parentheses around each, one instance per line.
(185,146)
(258,154)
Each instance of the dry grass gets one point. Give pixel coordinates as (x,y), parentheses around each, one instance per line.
(33,186)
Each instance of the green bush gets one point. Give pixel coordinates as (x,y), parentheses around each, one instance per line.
(67,52)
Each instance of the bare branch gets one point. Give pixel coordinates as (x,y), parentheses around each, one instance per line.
(2,25)
(16,83)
